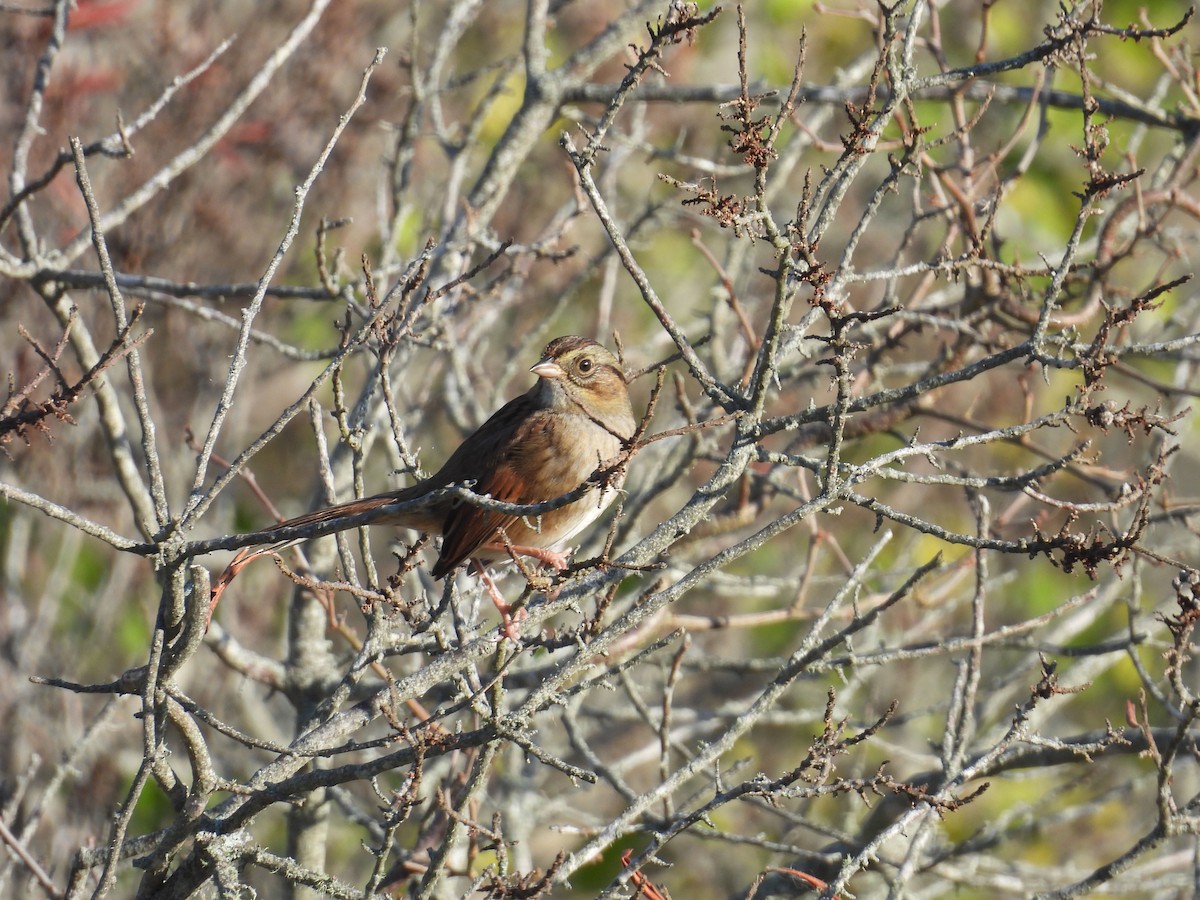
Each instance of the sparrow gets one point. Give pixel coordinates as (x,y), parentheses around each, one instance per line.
(537,447)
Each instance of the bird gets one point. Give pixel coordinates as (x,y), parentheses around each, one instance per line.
(537,447)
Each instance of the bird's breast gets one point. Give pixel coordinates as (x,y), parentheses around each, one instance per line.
(562,452)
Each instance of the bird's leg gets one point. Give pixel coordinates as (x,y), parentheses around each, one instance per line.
(508,626)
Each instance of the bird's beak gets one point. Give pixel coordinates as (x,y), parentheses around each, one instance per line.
(548,368)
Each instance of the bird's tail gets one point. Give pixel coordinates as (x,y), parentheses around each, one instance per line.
(338,517)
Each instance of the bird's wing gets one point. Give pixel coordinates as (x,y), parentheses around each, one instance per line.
(468,527)
(508,468)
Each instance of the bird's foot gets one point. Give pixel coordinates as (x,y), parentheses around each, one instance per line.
(552,558)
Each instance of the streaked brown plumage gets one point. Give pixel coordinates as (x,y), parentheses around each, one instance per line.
(536,447)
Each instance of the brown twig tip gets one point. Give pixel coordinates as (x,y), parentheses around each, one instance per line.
(20,414)
(643,884)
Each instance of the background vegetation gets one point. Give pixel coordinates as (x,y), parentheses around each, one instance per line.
(901,594)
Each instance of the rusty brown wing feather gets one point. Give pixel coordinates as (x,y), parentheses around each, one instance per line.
(467,527)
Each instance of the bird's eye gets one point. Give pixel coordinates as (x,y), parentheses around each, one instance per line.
(585,366)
